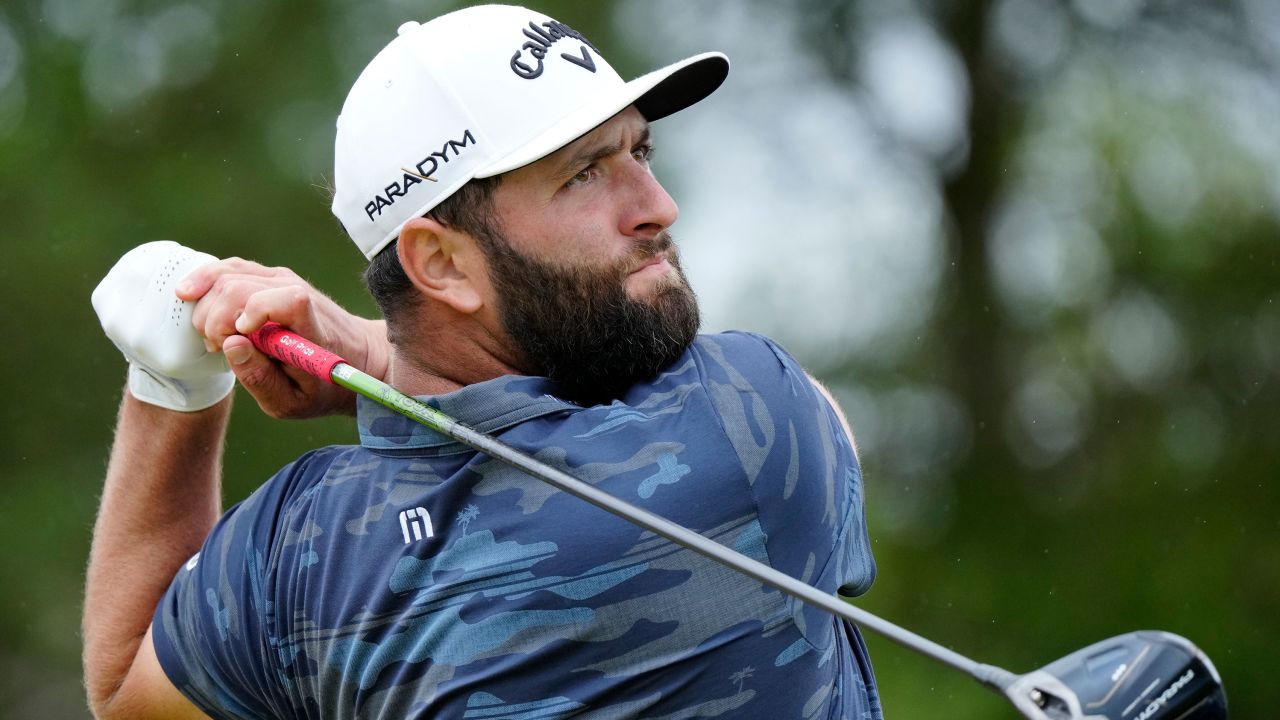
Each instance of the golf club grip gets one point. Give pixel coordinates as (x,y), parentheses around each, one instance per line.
(292,349)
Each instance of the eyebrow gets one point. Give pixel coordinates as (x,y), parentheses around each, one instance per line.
(590,155)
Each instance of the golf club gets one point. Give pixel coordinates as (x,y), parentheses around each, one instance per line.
(1146,675)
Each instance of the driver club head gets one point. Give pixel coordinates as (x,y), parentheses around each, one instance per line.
(1145,675)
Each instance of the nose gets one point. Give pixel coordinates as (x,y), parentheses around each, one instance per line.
(649,209)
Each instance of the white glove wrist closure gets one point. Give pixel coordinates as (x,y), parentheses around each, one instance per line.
(181,395)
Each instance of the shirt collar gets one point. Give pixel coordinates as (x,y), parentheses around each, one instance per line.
(487,407)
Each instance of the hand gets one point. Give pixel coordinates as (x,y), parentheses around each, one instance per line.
(236,296)
(169,366)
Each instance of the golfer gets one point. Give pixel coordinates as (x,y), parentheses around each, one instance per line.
(494,170)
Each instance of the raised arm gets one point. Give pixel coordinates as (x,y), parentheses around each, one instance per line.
(162,491)
(160,499)
(173,312)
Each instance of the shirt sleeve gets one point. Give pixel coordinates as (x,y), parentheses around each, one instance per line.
(212,628)
(800,463)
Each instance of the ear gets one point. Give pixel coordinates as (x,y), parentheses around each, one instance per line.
(444,264)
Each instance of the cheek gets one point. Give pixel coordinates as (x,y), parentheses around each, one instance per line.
(576,240)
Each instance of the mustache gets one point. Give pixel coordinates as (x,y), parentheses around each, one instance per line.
(649,247)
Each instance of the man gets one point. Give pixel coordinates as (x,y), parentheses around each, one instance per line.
(495,171)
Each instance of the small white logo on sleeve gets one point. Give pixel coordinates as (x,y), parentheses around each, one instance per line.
(415,523)
(195,560)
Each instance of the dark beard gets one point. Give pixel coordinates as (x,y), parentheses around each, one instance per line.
(578,327)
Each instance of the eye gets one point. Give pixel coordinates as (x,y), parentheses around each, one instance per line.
(585,175)
(643,153)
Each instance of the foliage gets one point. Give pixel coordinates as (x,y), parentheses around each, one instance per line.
(1044,235)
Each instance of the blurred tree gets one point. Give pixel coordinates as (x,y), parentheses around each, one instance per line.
(1105,322)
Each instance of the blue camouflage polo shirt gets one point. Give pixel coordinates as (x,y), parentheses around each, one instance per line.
(411,577)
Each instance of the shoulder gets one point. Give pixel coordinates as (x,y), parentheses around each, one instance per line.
(756,389)
(312,465)
(749,362)
(260,513)
(740,344)
(310,468)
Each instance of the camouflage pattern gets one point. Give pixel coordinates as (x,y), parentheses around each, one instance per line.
(410,577)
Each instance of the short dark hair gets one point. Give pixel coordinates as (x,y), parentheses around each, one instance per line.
(469,210)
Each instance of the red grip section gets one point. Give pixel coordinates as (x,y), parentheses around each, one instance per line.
(291,348)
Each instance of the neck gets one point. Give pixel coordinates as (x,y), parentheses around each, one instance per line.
(437,358)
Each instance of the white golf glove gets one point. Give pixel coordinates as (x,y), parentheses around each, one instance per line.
(168,363)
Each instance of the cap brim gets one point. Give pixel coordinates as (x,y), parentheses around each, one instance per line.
(656,95)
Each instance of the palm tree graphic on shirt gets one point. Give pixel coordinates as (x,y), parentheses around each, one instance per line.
(741,676)
(466,515)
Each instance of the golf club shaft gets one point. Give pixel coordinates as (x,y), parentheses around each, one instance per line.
(294,350)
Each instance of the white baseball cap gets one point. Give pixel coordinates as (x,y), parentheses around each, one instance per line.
(475,93)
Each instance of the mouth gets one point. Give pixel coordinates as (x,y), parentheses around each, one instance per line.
(657,263)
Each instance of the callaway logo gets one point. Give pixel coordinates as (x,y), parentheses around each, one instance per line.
(541,38)
(423,171)
(1173,689)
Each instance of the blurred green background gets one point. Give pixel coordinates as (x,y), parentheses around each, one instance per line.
(1032,245)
